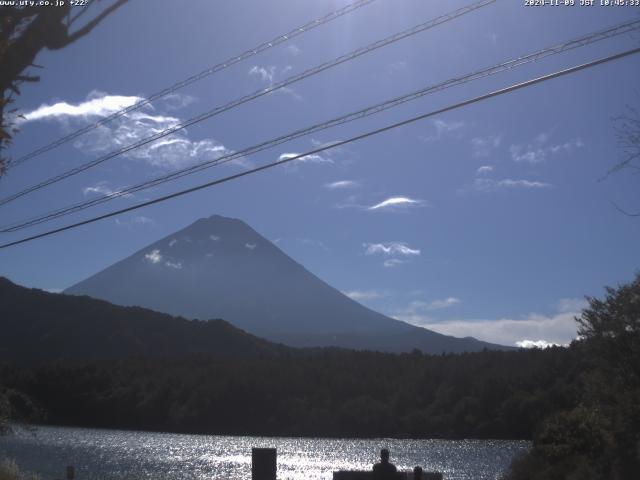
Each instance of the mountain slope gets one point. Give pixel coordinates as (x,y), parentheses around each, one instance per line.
(220,267)
(40,326)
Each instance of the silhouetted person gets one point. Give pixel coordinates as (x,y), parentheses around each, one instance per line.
(384,470)
(417,473)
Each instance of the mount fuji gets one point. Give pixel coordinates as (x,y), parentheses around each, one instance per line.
(220,267)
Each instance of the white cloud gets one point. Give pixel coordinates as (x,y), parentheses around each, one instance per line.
(215,238)
(103,188)
(393,262)
(362,295)
(173,242)
(341,184)
(559,328)
(393,203)
(485,169)
(96,105)
(482,146)
(137,220)
(490,185)
(172,151)
(536,344)
(293,164)
(390,248)
(418,306)
(174,265)
(99,188)
(154,256)
(177,101)
(269,74)
(444,303)
(538,151)
(294,50)
(313,158)
(330,151)
(250,246)
(443,128)
(313,243)
(266,74)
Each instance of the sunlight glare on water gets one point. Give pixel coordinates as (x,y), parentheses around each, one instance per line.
(120,455)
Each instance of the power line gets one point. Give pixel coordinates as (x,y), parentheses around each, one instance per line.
(371,133)
(584,40)
(194,78)
(284,83)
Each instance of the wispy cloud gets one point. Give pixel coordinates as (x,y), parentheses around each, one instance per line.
(483,146)
(538,151)
(136,220)
(390,248)
(485,169)
(266,74)
(293,50)
(490,185)
(342,184)
(417,307)
(174,265)
(172,151)
(560,328)
(330,151)
(250,246)
(443,128)
(313,158)
(419,312)
(269,75)
(96,105)
(102,188)
(292,165)
(395,203)
(312,242)
(393,262)
(363,295)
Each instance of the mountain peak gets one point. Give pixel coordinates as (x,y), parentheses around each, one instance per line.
(220,267)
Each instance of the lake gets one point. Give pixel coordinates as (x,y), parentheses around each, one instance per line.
(115,454)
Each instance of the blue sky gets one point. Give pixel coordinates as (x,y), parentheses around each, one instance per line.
(491,221)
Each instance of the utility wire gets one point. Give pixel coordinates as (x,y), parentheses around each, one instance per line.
(192,79)
(216,111)
(584,40)
(371,133)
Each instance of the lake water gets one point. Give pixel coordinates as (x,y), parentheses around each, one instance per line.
(119,455)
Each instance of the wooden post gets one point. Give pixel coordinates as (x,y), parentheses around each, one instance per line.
(71,472)
(263,463)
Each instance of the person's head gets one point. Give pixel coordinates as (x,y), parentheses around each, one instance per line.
(384,455)
(417,473)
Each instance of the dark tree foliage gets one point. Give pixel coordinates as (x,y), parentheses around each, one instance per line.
(323,392)
(24,32)
(600,437)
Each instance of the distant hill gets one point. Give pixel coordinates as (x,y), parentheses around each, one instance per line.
(39,326)
(220,267)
